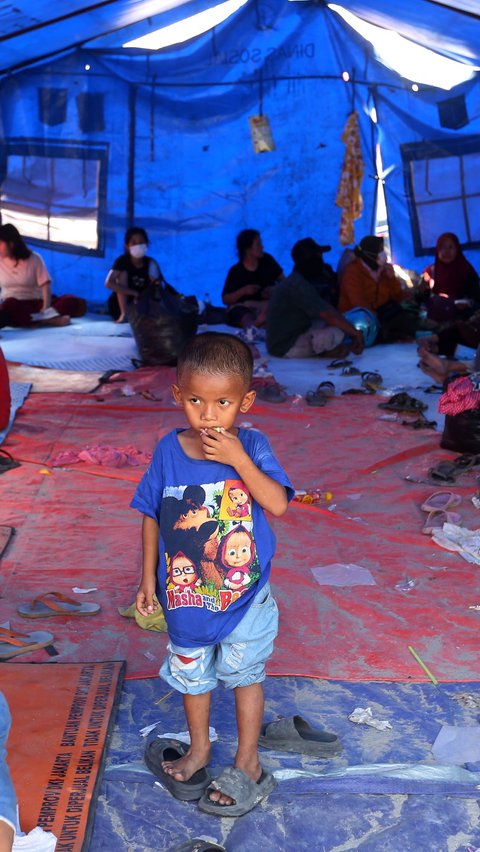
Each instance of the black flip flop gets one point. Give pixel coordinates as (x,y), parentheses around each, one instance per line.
(316,397)
(7,462)
(403,402)
(159,749)
(295,734)
(339,362)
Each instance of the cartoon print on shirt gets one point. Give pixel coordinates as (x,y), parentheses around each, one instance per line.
(241,503)
(211,557)
(236,501)
(183,572)
(190,521)
(236,553)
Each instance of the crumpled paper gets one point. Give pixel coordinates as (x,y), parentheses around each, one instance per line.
(183,736)
(364,716)
(460,540)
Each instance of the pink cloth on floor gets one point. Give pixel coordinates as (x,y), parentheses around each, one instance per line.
(103,455)
(459,396)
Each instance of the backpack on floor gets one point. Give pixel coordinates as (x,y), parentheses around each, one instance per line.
(162,322)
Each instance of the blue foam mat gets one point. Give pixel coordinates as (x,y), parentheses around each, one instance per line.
(371,812)
(19,392)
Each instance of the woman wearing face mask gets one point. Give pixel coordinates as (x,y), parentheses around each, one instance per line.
(131,273)
(26,287)
(370,282)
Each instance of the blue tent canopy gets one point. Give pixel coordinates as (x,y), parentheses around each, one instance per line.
(95,137)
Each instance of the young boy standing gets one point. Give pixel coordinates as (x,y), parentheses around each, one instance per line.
(213,583)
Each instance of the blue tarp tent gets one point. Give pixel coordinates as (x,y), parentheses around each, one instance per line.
(95,136)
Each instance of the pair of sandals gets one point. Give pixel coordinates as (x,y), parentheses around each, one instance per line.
(321,395)
(403,402)
(232,782)
(271,392)
(438,505)
(293,734)
(449,471)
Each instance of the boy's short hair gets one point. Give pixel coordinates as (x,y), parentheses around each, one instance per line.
(218,354)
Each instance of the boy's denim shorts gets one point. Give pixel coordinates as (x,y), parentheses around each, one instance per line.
(238,660)
(8,801)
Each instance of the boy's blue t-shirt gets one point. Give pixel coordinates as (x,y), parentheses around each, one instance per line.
(215,545)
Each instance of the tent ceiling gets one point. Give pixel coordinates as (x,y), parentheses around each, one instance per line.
(34,30)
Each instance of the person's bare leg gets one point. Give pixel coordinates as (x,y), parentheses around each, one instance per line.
(439,368)
(249,704)
(122,304)
(430,344)
(6,836)
(197,712)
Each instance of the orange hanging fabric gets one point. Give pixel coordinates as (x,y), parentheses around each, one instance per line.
(349,196)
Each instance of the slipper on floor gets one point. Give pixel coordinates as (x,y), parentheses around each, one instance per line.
(328,388)
(54,603)
(159,749)
(295,734)
(358,391)
(440,501)
(198,845)
(372,379)
(13,643)
(350,371)
(316,397)
(448,471)
(403,402)
(7,462)
(437,519)
(240,787)
(420,423)
(339,362)
(272,393)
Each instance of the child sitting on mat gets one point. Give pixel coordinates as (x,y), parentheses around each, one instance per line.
(216,633)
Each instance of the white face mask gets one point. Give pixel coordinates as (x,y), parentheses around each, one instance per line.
(382,258)
(138,251)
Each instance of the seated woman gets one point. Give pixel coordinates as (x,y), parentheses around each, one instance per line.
(25,287)
(370,282)
(450,286)
(250,282)
(131,273)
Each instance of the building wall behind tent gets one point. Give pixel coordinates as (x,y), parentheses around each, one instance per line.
(179,158)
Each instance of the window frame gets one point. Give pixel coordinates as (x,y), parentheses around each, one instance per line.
(75,150)
(429,150)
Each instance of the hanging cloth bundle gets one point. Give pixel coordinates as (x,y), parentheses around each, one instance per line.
(349,196)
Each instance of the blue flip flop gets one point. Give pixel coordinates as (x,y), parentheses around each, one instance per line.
(159,749)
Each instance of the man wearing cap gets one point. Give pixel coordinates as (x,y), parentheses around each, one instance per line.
(370,282)
(301,321)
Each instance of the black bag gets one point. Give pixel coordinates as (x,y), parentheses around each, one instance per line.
(461,432)
(162,321)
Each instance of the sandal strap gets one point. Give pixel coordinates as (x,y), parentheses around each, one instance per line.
(47,601)
(10,637)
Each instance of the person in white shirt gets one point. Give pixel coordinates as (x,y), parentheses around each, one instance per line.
(26,286)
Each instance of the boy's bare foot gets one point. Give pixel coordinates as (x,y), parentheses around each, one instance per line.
(122,318)
(252,769)
(186,766)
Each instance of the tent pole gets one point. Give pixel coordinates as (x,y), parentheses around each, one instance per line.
(132,100)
